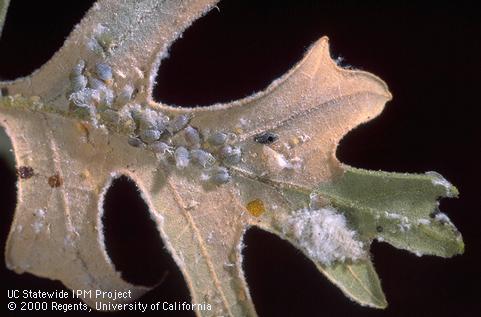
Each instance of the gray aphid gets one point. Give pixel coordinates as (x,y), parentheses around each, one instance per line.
(79,68)
(85,97)
(234,157)
(150,119)
(103,71)
(134,141)
(125,95)
(161,123)
(135,112)
(111,117)
(178,123)
(231,155)
(94,83)
(95,46)
(160,147)
(203,158)
(182,159)
(220,175)
(191,136)
(78,82)
(107,96)
(149,135)
(218,138)
(104,37)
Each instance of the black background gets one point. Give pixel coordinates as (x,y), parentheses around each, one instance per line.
(427,53)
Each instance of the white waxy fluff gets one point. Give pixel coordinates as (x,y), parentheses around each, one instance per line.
(438,180)
(324,236)
(441,217)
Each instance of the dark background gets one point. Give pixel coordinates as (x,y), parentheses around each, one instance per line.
(427,53)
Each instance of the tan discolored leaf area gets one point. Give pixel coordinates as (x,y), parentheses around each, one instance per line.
(207,174)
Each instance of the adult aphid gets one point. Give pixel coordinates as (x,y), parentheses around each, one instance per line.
(191,136)
(218,138)
(178,123)
(266,137)
(203,158)
(150,135)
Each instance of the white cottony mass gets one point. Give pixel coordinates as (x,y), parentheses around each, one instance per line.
(323,234)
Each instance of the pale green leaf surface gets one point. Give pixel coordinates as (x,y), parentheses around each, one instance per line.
(401,209)
(357,280)
(3,13)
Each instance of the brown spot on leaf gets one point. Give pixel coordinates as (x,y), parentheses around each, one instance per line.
(55,181)
(25,172)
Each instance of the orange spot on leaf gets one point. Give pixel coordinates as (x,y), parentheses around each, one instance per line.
(256,207)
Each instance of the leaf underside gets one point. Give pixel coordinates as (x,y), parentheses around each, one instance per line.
(207,174)
(3,12)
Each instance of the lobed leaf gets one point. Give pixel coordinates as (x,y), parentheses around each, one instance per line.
(207,174)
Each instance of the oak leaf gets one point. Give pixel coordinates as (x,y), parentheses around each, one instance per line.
(207,174)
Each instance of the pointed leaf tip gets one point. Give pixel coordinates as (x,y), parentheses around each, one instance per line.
(401,209)
(359,281)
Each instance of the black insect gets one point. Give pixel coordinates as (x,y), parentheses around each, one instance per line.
(266,137)
(379,229)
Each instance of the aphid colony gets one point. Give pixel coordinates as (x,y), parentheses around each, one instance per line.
(92,97)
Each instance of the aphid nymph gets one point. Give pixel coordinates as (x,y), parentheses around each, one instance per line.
(125,95)
(182,157)
(231,155)
(220,175)
(103,71)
